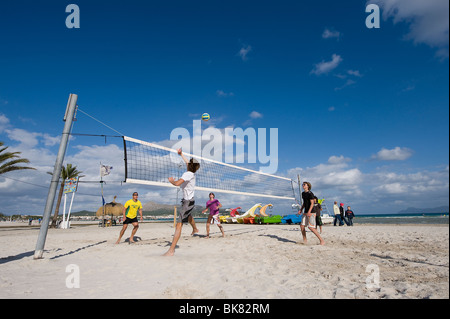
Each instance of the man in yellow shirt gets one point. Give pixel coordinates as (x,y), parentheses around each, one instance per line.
(130,210)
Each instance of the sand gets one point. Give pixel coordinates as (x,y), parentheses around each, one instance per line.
(252,261)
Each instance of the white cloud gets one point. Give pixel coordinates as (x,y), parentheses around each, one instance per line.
(354,73)
(244,51)
(328,34)
(253,116)
(26,138)
(393,188)
(333,180)
(31,139)
(222,93)
(338,159)
(414,187)
(4,122)
(409,88)
(256,115)
(49,140)
(343,178)
(381,192)
(347,83)
(335,173)
(327,66)
(428,20)
(395,154)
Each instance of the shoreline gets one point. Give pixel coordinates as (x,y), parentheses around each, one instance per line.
(24,225)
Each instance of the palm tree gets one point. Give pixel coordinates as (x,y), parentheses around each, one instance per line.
(67,172)
(9,161)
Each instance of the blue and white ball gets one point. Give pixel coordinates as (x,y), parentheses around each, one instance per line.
(205,117)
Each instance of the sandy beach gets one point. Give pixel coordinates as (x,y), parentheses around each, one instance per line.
(252,261)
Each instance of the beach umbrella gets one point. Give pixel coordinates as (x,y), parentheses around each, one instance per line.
(112,209)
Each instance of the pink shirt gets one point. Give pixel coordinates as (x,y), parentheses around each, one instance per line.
(213,206)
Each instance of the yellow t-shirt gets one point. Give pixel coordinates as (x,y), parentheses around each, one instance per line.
(132,208)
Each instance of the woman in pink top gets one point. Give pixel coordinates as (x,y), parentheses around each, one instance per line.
(213,205)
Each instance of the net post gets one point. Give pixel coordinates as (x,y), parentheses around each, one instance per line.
(68,118)
(300,190)
(125,157)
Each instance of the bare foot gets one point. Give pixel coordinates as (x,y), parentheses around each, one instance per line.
(207,236)
(169,253)
(117,242)
(194,231)
(322,243)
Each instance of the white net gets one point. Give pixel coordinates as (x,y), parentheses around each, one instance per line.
(152,164)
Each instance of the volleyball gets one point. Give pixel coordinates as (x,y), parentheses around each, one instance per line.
(205,117)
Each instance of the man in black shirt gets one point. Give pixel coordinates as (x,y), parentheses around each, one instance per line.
(341,211)
(308,218)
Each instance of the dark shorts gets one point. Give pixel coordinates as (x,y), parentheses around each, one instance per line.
(130,221)
(319,221)
(186,209)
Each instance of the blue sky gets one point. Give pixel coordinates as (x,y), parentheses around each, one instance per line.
(361,113)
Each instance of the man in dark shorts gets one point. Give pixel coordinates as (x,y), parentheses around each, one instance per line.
(130,210)
(317,210)
(308,217)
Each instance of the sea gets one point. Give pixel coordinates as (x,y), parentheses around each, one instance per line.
(429,218)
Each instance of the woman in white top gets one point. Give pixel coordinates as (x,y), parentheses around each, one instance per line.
(187,184)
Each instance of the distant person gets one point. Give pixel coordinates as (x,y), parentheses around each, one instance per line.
(130,211)
(187,184)
(308,217)
(337,214)
(317,210)
(349,214)
(341,212)
(213,205)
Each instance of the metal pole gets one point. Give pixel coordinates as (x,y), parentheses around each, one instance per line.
(103,203)
(70,111)
(70,209)
(103,198)
(64,211)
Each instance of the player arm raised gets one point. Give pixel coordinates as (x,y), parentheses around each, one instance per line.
(180,152)
(180,181)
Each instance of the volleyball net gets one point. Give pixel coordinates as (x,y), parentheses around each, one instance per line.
(151,164)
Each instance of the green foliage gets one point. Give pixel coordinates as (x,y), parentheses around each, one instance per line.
(9,161)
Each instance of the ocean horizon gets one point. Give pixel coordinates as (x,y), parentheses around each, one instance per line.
(413,218)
